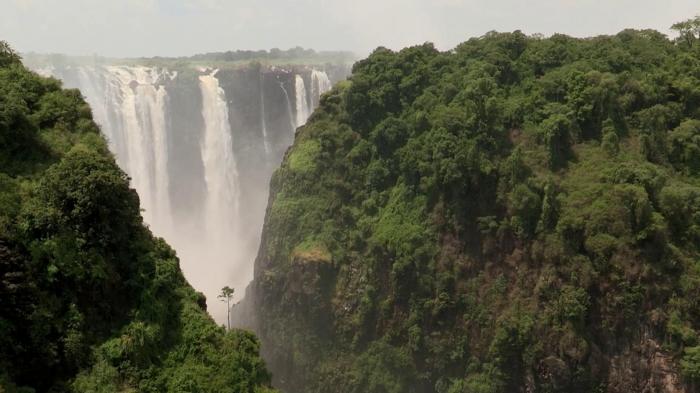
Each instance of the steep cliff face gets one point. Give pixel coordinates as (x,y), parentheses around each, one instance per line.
(517,215)
(90,300)
(200,143)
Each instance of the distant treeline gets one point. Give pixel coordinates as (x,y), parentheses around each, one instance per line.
(275,55)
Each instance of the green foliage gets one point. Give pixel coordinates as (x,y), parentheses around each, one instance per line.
(571,304)
(689,31)
(304,156)
(383,368)
(680,205)
(611,141)
(7,55)
(91,301)
(511,213)
(684,146)
(691,363)
(556,135)
(525,206)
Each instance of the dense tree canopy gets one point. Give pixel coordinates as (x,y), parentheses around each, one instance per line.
(517,213)
(90,301)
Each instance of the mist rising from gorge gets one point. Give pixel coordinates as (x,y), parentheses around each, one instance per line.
(200,145)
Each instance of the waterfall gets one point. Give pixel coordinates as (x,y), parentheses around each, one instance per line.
(220,171)
(90,81)
(263,122)
(196,145)
(289,107)
(131,105)
(320,83)
(139,136)
(102,90)
(300,100)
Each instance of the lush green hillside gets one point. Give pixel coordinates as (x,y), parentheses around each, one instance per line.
(90,301)
(517,214)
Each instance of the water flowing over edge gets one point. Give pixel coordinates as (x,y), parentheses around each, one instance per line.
(133,106)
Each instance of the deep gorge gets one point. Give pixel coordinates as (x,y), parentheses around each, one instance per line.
(200,144)
(520,213)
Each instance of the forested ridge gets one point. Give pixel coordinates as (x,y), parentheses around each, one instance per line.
(90,300)
(519,214)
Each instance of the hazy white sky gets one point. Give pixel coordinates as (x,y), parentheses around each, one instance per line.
(184,27)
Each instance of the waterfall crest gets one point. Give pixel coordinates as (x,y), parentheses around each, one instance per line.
(220,170)
(320,83)
(263,122)
(141,133)
(131,105)
(200,149)
(302,105)
(289,106)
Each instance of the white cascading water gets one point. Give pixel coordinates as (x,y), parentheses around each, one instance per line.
(220,171)
(320,83)
(90,81)
(263,122)
(142,136)
(130,104)
(216,240)
(302,105)
(217,244)
(289,107)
